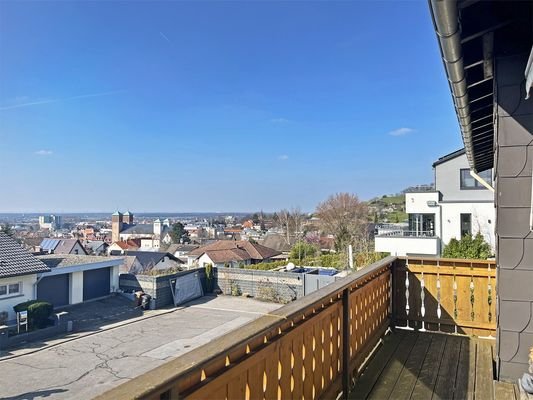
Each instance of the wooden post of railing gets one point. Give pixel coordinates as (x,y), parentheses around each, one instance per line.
(345,343)
(392,285)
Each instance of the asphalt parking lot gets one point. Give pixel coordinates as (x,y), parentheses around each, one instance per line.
(90,365)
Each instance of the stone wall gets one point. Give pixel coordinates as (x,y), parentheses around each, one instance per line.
(280,287)
(156,286)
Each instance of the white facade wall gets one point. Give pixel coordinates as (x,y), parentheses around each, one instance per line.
(28,293)
(204,259)
(114,281)
(404,246)
(483,220)
(150,244)
(76,287)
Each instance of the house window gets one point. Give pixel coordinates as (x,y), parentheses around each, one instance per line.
(10,289)
(468,182)
(421,225)
(466,224)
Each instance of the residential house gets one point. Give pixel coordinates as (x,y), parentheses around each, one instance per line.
(61,246)
(61,279)
(122,246)
(461,204)
(18,275)
(231,253)
(96,247)
(140,262)
(123,228)
(181,250)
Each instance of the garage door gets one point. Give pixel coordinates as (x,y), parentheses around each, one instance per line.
(96,283)
(54,289)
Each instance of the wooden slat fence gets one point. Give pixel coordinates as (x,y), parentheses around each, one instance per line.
(448,295)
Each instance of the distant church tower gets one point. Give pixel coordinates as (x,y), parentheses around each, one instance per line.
(116,225)
(128,218)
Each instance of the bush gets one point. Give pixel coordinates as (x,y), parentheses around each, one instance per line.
(235,289)
(265,266)
(363,259)
(209,278)
(467,247)
(38,312)
(302,250)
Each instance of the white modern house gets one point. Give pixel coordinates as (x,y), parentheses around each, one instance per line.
(462,203)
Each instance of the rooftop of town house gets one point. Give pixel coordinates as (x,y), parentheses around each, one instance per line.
(231,250)
(70,260)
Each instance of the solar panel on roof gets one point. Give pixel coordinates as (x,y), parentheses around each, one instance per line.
(49,244)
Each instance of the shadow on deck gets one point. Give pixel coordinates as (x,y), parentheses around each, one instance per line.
(415,365)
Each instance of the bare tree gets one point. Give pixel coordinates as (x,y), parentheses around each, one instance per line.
(284,221)
(297,219)
(344,216)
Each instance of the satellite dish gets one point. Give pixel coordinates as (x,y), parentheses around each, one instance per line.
(290,266)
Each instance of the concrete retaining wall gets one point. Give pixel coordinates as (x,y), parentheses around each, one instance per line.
(156,286)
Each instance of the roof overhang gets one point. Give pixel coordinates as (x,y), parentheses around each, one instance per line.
(470,34)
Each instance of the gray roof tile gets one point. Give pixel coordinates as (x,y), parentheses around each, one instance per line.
(15,261)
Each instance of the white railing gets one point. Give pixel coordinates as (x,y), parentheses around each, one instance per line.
(406,233)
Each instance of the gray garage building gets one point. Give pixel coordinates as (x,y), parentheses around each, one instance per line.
(77,278)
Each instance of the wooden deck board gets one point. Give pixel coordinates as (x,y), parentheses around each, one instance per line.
(447,376)
(393,369)
(466,371)
(411,368)
(427,378)
(415,365)
(369,377)
(484,388)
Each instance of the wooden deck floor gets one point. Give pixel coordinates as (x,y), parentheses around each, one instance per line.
(413,365)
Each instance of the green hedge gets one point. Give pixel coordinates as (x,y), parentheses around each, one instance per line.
(38,312)
(265,266)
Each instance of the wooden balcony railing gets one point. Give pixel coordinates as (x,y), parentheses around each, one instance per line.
(308,349)
(448,295)
(316,346)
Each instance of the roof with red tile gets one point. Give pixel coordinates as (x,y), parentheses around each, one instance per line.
(234,250)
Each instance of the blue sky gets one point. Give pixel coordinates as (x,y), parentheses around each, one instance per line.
(216,106)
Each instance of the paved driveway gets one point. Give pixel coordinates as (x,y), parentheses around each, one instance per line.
(90,365)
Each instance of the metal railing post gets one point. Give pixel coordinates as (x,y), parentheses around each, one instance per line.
(345,342)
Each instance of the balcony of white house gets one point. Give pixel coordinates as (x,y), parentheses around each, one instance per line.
(408,242)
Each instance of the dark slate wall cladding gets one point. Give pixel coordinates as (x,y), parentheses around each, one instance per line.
(514,163)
